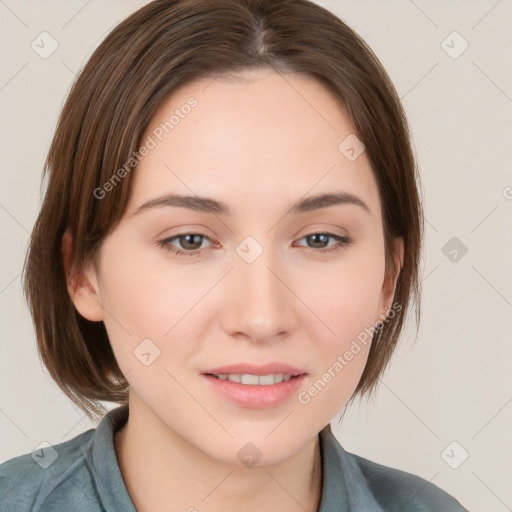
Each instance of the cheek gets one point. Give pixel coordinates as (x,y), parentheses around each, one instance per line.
(145,289)
(347,302)
(347,296)
(143,300)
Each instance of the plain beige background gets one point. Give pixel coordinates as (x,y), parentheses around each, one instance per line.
(448,394)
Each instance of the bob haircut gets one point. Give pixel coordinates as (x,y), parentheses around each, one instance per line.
(162,46)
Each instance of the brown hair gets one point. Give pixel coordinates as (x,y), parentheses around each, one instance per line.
(162,46)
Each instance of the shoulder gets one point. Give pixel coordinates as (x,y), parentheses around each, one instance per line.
(54,477)
(374,487)
(394,489)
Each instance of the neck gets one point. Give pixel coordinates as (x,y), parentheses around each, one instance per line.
(160,468)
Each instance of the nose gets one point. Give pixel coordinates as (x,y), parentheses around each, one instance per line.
(260,304)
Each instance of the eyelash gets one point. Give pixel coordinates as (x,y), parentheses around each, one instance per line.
(342,241)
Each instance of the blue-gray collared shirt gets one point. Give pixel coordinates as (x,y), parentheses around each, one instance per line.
(83,475)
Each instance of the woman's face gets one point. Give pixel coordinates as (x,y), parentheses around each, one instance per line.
(258,289)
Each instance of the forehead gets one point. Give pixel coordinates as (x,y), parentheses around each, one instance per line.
(250,137)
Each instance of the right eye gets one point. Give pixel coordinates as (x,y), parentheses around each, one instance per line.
(185,241)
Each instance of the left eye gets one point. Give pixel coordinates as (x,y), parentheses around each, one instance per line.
(321,238)
(191,242)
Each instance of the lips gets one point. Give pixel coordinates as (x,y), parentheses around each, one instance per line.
(252,369)
(255,386)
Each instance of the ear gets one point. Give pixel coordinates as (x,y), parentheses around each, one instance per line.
(82,285)
(389,285)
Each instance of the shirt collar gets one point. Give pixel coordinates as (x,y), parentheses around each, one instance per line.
(344,486)
(102,457)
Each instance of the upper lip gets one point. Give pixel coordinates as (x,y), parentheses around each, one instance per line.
(253,369)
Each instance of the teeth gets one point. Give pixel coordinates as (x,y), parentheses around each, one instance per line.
(261,380)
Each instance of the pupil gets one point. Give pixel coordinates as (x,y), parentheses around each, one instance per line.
(188,241)
(315,239)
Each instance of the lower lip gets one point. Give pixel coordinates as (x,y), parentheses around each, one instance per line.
(256,396)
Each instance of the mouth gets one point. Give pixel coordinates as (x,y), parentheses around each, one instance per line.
(256,387)
(254,380)
(251,370)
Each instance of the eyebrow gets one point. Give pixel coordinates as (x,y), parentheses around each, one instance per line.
(209,205)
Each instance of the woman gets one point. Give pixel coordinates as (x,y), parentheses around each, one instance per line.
(228,246)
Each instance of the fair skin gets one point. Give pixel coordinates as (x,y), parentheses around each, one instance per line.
(258,146)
